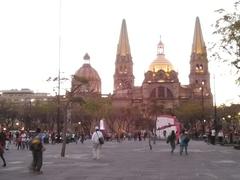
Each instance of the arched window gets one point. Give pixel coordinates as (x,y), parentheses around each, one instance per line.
(169,93)
(153,93)
(162,93)
(197,68)
(200,68)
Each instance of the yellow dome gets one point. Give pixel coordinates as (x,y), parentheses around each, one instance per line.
(161,63)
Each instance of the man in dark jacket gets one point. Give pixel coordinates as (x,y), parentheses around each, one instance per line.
(2,145)
(36,146)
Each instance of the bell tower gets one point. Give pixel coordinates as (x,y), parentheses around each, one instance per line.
(199,75)
(123,76)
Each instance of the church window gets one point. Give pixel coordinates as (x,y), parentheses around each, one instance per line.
(197,68)
(169,93)
(161,93)
(125,69)
(201,68)
(153,93)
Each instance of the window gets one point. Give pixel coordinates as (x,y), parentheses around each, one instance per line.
(169,93)
(153,93)
(161,93)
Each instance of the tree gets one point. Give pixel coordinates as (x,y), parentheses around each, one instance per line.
(190,115)
(229,117)
(227,30)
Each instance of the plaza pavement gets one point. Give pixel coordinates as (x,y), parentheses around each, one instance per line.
(129,160)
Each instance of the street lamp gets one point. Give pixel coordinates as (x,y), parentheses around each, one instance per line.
(202,103)
(79,123)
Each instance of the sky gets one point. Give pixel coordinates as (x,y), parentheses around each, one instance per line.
(35,35)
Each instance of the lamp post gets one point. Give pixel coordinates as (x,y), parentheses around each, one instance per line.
(216,127)
(202,104)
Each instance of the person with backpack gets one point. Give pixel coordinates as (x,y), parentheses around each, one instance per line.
(172,140)
(184,139)
(37,148)
(98,140)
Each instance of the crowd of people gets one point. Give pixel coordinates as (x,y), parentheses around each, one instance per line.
(34,141)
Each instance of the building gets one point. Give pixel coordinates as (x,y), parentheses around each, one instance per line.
(15,95)
(161,85)
(86,79)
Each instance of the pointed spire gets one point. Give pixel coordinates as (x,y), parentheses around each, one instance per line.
(123,44)
(198,46)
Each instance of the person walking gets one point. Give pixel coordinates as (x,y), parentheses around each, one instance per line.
(220,136)
(1,154)
(97,140)
(37,148)
(184,139)
(150,137)
(172,140)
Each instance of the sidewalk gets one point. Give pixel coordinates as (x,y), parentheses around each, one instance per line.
(129,160)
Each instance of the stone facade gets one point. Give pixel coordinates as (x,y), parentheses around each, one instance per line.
(161,84)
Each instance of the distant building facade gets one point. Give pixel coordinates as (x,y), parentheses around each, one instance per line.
(16,95)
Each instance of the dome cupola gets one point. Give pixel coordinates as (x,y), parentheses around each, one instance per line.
(161,62)
(88,73)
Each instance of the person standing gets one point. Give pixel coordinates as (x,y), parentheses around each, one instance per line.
(150,136)
(172,140)
(37,148)
(220,136)
(1,154)
(97,145)
(2,145)
(213,134)
(184,139)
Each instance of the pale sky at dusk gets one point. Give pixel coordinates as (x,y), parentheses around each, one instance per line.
(29,40)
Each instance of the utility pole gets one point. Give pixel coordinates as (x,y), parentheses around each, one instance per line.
(215,107)
(202,102)
(59,74)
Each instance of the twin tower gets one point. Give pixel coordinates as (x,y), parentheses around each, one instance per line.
(161,85)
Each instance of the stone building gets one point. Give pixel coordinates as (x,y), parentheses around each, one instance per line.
(161,84)
(86,79)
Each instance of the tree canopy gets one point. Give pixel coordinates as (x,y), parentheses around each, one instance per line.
(227,31)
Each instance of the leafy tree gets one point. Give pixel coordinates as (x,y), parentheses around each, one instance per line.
(190,114)
(227,30)
(229,116)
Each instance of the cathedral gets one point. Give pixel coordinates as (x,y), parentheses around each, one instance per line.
(161,85)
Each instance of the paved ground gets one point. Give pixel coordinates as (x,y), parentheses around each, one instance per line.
(128,160)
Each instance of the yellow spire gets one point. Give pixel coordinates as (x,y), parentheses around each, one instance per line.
(123,44)
(198,46)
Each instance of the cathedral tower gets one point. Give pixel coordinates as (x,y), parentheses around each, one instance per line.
(199,75)
(123,76)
